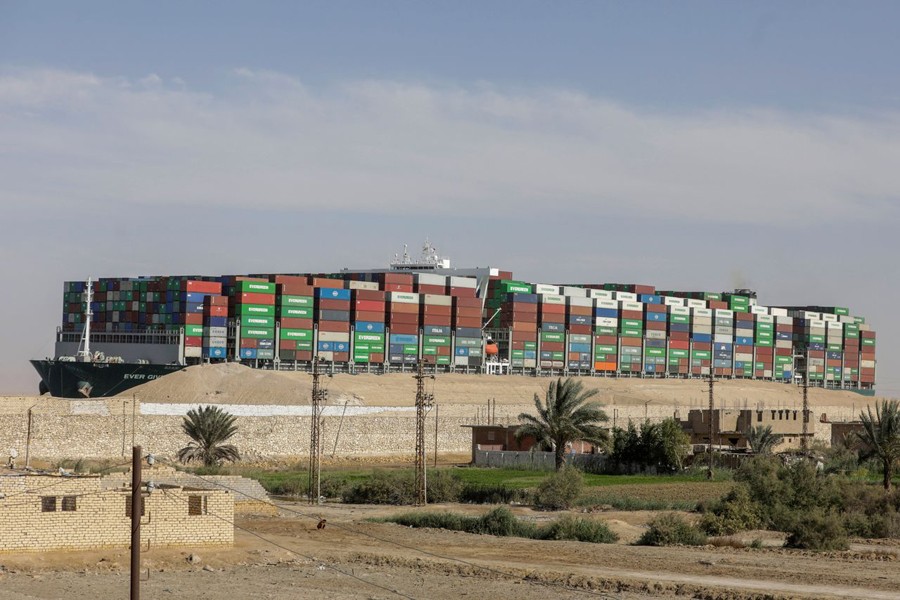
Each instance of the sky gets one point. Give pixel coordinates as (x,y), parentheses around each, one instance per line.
(692,145)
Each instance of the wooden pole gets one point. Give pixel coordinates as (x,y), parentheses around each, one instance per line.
(28,442)
(136,523)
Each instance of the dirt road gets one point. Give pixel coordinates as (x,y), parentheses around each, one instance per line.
(287,557)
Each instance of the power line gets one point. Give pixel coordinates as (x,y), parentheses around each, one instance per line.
(62,479)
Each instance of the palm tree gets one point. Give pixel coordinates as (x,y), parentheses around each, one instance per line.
(209,427)
(565,416)
(881,435)
(762,440)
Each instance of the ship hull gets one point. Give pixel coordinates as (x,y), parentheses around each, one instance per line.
(95,380)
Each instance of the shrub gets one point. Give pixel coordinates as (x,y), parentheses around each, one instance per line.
(579,529)
(501,522)
(443,486)
(671,529)
(818,530)
(559,490)
(474,493)
(735,512)
(383,487)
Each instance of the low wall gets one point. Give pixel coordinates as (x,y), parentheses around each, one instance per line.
(537,461)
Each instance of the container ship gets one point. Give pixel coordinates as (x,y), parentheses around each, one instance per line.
(121,332)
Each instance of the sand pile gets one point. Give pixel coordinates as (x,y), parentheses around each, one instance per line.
(232,383)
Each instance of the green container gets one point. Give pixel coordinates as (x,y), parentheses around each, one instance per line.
(630,332)
(557,356)
(256,310)
(361,349)
(306,301)
(684,319)
(518,354)
(632,323)
(760,366)
(817,339)
(437,340)
(678,353)
(655,351)
(360,358)
(443,360)
(468,343)
(783,360)
(302,345)
(551,336)
(369,337)
(410,349)
(605,349)
(701,354)
(528,345)
(429,350)
(768,327)
(840,310)
(193,330)
(518,287)
(867,342)
(297,334)
(835,347)
(254,321)
(765,343)
(606,330)
(257,332)
(255,287)
(293,312)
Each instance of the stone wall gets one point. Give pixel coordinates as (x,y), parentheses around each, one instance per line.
(107,428)
(44,512)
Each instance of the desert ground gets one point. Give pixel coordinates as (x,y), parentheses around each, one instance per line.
(285,556)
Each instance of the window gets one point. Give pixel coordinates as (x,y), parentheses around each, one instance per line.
(759,417)
(128,506)
(491,435)
(48,503)
(196,505)
(69,503)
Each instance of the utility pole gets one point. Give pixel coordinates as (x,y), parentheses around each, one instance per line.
(712,405)
(804,445)
(136,523)
(28,441)
(423,403)
(315,442)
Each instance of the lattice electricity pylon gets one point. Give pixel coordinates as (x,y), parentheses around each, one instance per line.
(318,398)
(424,402)
(712,406)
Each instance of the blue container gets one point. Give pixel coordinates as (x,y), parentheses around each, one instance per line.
(404,338)
(369,327)
(743,341)
(193,297)
(651,299)
(585,357)
(436,329)
(248,352)
(679,328)
(609,313)
(816,346)
(721,363)
(214,352)
(655,316)
(554,327)
(703,338)
(517,297)
(738,365)
(546,355)
(396,358)
(410,358)
(787,374)
(326,346)
(462,351)
(579,347)
(529,354)
(579,320)
(723,347)
(649,368)
(265,344)
(655,343)
(332,294)
(215,321)
(341,346)
(468,332)
(835,355)
(193,307)
(781,335)
(395,349)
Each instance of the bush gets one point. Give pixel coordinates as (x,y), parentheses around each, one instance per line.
(443,486)
(384,487)
(818,531)
(474,493)
(735,512)
(671,529)
(560,490)
(580,530)
(501,522)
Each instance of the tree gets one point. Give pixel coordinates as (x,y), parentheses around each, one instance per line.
(881,435)
(209,427)
(565,416)
(762,440)
(673,443)
(663,445)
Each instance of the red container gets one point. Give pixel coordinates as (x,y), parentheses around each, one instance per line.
(431,289)
(461,292)
(304,355)
(287,344)
(553,346)
(517,327)
(369,305)
(248,342)
(374,317)
(295,289)
(404,328)
(471,313)
(552,309)
(396,287)
(323,282)
(376,358)
(580,329)
(470,303)
(703,346)
(585,311)
(341,356)
(655,308)
(632,314)
(193,341)
(404,318)
(216,300)
(718,304)
(655,326)
(294,323)
(632,341)
(606,340)
(434,309)
(331,304)
(400,308)
(201,287)
(401,278)
(436,320)
(681,336)
(677,345)
(254,298)
(469,322)
(335,326)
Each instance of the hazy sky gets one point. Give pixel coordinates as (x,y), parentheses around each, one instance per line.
(687,145)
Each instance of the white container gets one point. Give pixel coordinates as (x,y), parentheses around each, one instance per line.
(625,296)
(721,313)
(334,336)
(363,285)
(673,301)
(437,299)
(694,303)
(584,302)
(759,310)
(702,312)
(608,304)
(651,334)
(680,310)
(743,357)
(463,282)
(403,297)
(600,294)
(629,305)
(575,292)
(552,299)
(543,288)
(215,342)
(765,319)
(606,321)
(431,279)
(721,338)
(193,352)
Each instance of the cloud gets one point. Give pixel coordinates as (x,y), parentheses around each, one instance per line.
(265,139)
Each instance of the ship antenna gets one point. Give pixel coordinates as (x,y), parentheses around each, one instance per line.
(85,346)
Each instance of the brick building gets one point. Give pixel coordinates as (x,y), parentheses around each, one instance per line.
(52,512)
(733,425)
(503,438)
